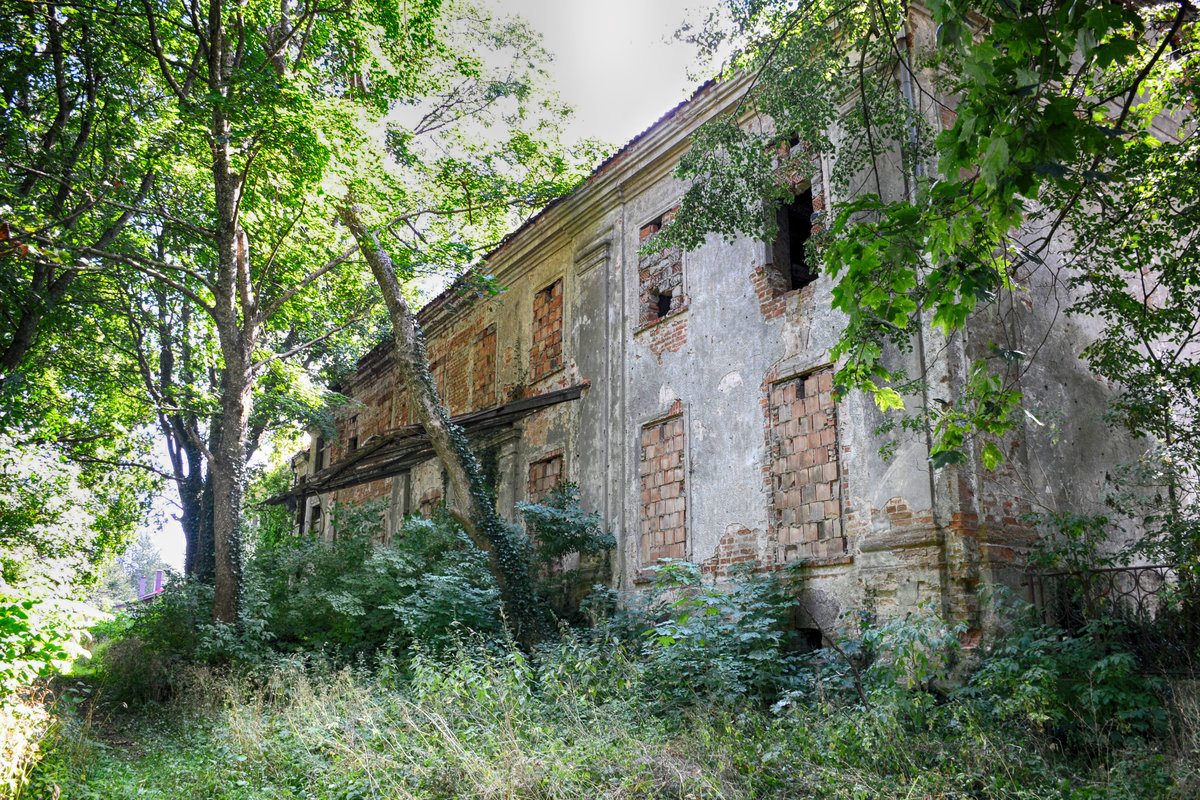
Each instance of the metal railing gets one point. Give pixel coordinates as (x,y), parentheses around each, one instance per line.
(1153,608)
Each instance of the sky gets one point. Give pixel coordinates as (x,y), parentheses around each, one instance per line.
(615,61)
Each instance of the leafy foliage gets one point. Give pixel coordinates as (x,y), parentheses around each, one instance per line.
(560,531)
(571,720)
(1084,688)
(55,533)
(708,644)
(357,598)
(1061,119)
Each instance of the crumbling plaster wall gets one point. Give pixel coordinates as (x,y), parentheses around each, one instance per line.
(910,534)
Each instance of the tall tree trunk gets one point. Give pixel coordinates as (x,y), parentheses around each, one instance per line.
(227,465)
(473,504)
(227,468)
(235,325)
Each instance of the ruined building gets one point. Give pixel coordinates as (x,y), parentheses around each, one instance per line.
(689,396)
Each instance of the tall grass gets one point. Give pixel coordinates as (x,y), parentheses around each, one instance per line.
(569,721)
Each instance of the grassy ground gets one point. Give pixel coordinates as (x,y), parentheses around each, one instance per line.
(498,727)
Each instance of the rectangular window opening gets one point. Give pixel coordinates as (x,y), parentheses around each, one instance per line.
(662,303)
(795,229)
(546,354)
(664,491)
(660,275)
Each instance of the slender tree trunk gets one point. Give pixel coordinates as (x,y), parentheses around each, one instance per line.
(473,504)
(235,333)
(228,469)
(408,351)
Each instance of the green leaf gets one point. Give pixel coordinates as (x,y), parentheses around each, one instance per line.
(991,455)
(942,458)
(995,161)
(888,398)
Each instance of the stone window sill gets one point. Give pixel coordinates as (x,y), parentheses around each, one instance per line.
(655,322)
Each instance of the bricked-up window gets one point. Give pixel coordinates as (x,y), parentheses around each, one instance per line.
(660,275)
(483,381)
(430,500)
(438,372)
(795,229)
(546,355)
(544,475)
(664,509)
(805,482)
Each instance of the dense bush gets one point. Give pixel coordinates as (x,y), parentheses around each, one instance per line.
(569,549)
(1085,689)
(358,598)
(701,643)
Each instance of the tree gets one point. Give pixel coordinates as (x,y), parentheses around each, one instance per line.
(1049,126)
(253,104)
(258,119)
(462,187)
(71,92)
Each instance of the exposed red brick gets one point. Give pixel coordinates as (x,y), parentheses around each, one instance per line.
(544,475)
(430,500)
(664,498)
(483,372)
(545,356)
(803,470)
(667,335)
(660,276)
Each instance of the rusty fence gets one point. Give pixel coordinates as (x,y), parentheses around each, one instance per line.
(1155,608)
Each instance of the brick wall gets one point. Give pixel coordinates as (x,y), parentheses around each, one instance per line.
(660,277)
(665,336)
(544,475)
(804,476)
(545,356)
(430,500)
(664,496)
(483,372)
(738,549)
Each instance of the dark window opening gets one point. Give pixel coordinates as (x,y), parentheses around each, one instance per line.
(320,464)
(662,304)
(795,229)
(314,519)
(660,275)
(353,445)
(489,466)
(809,639)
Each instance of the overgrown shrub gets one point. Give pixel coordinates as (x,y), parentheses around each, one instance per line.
(569,549)
(141,655)
(356,598)
(1083,688)
(567,721)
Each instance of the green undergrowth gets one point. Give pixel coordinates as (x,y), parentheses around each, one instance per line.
(579,718)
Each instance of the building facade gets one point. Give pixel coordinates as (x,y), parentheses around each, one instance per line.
(689,395)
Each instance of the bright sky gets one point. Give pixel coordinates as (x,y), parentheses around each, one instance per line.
(616,62)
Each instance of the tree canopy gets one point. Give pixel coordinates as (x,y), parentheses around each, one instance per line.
(175,174)
(1047,142)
